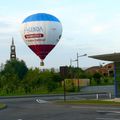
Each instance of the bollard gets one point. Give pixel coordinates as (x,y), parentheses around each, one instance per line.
(97,96)
(110,96)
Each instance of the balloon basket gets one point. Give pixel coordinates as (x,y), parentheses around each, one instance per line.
(42,63)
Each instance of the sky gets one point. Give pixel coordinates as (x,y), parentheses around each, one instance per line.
(90,27)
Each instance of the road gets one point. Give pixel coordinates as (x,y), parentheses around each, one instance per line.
(38,109)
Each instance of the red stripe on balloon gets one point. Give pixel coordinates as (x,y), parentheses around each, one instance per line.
(41,50)
(39,35)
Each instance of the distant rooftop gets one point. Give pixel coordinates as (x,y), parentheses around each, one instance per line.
(108,57)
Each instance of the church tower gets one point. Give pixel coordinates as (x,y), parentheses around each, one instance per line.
(12,51)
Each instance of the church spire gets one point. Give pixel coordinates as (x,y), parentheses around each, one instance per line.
(12,50)
(12,41)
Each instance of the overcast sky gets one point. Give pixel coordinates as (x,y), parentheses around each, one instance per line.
(89,26)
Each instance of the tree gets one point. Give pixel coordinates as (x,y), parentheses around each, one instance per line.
(15,66)
(97,76)
(31,80)
(75,73)
(11,76)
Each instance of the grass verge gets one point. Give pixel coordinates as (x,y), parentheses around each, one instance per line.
(2,106)
(89,102)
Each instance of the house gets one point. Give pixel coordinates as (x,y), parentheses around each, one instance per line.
(106,70)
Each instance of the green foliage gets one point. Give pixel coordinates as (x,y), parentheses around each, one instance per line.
(89,102)
(2,106)
(15,67)
(70,87)
(97,76)
(101,80)
(74,72)
(17,79)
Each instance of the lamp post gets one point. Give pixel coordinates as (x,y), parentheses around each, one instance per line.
(77,60)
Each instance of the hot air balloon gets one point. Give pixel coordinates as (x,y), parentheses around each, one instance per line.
(41,32)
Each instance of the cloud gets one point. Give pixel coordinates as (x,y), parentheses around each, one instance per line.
(98,29)
(7,26)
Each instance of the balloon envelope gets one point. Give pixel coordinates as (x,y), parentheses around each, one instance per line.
(41,32)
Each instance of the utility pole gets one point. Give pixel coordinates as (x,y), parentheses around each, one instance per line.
(77,60)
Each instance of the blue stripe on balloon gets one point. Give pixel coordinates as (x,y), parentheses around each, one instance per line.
(41,17)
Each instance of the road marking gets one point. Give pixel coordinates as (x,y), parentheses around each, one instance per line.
(93,107)
(107,112)
(99,111)
(106,119)
(41,101)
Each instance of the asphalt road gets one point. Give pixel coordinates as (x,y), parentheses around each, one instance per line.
(39,109)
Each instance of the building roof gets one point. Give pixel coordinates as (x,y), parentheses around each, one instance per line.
(108,57)
(93,67)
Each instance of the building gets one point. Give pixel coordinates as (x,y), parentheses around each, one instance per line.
(106,70)
(12,51)
(109,69)
(115,58)
(93,70)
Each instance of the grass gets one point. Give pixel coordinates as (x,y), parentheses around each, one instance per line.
(89,102)
(2,106)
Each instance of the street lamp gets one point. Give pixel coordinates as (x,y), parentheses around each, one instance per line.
(77,60)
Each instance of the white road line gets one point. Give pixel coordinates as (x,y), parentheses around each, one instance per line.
(100,111)
(41,101)
(84,107)
(106,119)
(93,107)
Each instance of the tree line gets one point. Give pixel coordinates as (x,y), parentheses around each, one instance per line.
(17,79)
